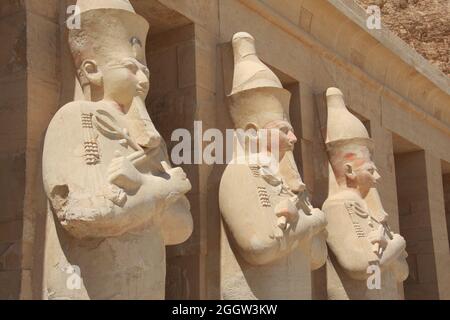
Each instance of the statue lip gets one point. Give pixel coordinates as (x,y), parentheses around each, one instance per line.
(291,147)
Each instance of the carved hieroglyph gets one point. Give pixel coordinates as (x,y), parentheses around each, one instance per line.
(358,232)
(115,201)
(272,235)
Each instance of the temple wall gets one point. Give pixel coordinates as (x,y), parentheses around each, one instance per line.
(311,45)
(13,104)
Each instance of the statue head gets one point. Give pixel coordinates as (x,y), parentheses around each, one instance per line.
(349,146)
(258,100)
(109,51)
(354,168)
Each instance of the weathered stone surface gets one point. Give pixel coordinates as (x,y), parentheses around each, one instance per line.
(13,32)
(359,235)
(114,200)
(269,252)
(310,45)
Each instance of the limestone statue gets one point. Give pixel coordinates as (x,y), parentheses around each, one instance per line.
(272,235)
(115,200)
(358,231)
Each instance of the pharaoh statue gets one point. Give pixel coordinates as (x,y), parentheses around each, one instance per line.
(367,259)
(272,237)
(114,200)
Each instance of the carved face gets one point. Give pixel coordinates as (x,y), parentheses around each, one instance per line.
(362,174)
(125,80)
(286,137)
(354,168)
(367,174)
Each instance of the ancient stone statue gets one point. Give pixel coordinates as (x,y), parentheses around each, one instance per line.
(358,232)
(115,201)
(272,235)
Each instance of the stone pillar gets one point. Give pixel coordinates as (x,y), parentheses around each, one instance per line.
(438,224)
(384,159)
(422,221)
(13,119)
(171,104)
(29,98)
(313,163)
(446,183)
(387,188)
(185,60)
(206,39)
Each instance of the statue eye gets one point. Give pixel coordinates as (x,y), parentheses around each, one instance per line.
(285,130)
(146,71)
(135,41)
(131,66)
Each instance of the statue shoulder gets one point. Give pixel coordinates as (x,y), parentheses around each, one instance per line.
(346,201)
(247,214)
(237,180)
(242,179)
(71,113)
(236,172)
(64,136)
(342,197)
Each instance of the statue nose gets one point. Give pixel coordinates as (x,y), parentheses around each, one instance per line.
(144,85)
(144,82)
(292,138)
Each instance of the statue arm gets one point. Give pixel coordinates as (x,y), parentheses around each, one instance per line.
(352,252)
(176,221)
(253,226)
(395,249)
(91,197)
(263,249)
(80,201)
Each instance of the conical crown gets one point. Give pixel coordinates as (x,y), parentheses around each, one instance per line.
(86,5)
(109,31)
(257,95)
(342,126)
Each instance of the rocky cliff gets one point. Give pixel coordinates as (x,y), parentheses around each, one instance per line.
(423,24)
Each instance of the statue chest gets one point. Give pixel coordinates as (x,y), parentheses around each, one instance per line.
(107,134)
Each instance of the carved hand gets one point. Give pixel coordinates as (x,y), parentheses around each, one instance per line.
(123,173)
(395,249)
(320,220)
(178,179)
(378,240)
(287,213)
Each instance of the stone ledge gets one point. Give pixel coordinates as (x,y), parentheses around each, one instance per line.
(355,13)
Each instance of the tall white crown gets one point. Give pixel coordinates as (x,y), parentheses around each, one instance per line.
(257,95)
(108,29)
(86,5)
(342,126)
(249,71)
